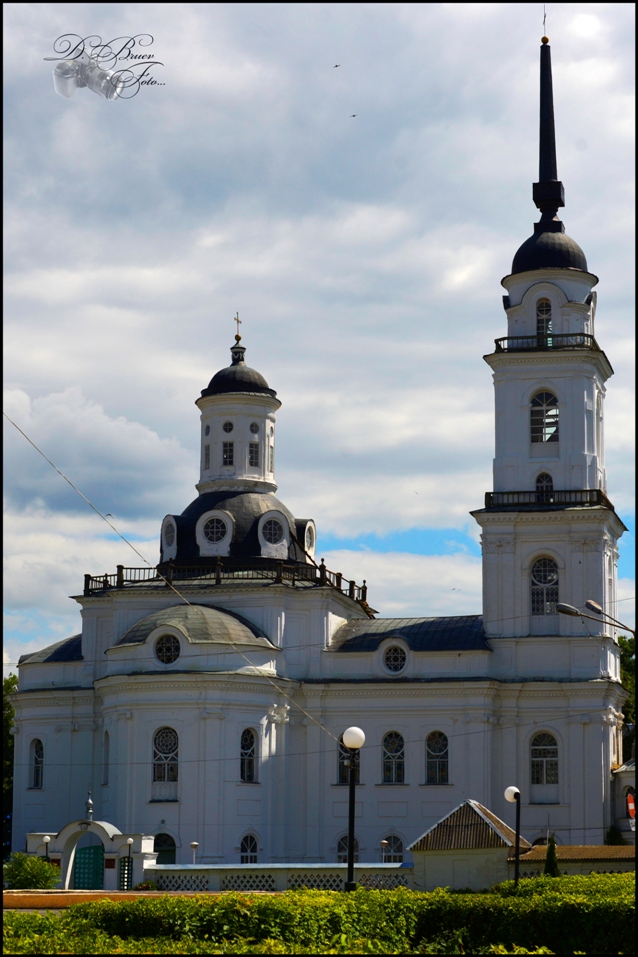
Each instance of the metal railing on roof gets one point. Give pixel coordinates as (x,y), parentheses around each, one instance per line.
(571,340)
(278,572)
(577,496)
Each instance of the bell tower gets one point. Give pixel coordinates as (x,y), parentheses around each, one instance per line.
(549,532)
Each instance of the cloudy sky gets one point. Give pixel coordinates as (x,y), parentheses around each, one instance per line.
(364,254)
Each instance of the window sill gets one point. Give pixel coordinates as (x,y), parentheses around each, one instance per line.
(346,785)
(164,801)
(448,785)
(386,784)
(35,789)
(248,784)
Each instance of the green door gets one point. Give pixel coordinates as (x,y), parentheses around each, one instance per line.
(88,871)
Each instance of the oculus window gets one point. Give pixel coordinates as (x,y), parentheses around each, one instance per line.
(254,427)
(395,659)
(228,426)
(273,531)
(167,649)
(215,530)
(169,533)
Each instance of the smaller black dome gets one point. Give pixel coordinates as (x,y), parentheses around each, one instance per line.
(237,377)
(549,250)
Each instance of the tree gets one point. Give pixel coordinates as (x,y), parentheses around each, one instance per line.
(614,836)
(9,685)
(29,871)
(551,861)
(628,678)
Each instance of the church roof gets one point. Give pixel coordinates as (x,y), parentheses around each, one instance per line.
(70,649)
(470,825)
(549,250)
(460,633)
(199,623)
(238,377)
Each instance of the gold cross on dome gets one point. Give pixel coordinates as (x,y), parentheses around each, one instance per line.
(238,321)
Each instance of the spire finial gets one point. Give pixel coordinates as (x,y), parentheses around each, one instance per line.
(238,321)
(549,194)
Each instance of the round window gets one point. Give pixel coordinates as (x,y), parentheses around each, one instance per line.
(207,430)
(215,529)
(169,533)
(228,426)
(273,531)
(395,658)
(254,427)
(167,649)
(310,538)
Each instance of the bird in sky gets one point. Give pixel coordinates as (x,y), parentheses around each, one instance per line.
(352,115)
(336,65)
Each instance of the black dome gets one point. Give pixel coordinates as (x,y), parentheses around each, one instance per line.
(549,250)
(238,378)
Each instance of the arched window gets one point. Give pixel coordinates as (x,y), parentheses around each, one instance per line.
(544,487)
(436,748)
(544,418)
(165,744)
(392,849)
(248,849)
(248,754)
(106,757)
(36,764)
(165,847)
(342,850)
(544,754)
(544,587)
(393,758)
(543,317)
(343,770)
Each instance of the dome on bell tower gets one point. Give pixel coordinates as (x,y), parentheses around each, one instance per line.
(237,377)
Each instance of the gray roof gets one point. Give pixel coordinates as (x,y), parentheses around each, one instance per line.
(461,633)
(199,623)
(470,825)
(70,649)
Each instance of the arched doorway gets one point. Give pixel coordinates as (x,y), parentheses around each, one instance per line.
(88,865)
(165,846)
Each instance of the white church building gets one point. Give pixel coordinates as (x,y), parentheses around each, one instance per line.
(204,699)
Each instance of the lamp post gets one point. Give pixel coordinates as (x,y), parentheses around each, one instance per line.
(129,869)
(194,846)
(353,740)
(46,840)
(565,609)
(384,847)
(513,795)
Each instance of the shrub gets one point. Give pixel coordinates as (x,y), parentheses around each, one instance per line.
(614,836)
(551,861)
(26,871)
(146,886)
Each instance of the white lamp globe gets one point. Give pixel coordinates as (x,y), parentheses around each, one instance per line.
(354,738)
(511,794)
(129,840)
(46,839)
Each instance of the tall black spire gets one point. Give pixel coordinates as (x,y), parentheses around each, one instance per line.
(548,193)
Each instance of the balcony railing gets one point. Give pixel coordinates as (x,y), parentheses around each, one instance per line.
(585,496)
(571,340)
(225,573)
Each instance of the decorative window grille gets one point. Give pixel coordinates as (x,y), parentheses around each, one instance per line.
(37,763)
(182,882)
(544,417)
(273,531)
(248,882)
(343,775)
(544,587)
(254,427)
(106,756)
(207,456)
(165,753)
(393,758)
(164,845)
(215,530)
(228,452)
(227,426)
(125,875)
(544,759)
(392,850)
(247,756)
(169,533)
(253,454)
(437,757)
(248,849)
(395,658)
(544,488)
(167,649)
(543,317)
(342,850)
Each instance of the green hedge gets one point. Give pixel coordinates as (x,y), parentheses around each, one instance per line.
(567,915)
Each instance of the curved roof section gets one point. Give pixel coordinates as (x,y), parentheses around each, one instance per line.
(199,623)
(68,650)
(238,378)
(246,508)
(461,633)
(549,250)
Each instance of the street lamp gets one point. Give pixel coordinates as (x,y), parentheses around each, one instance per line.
(513,795)
(194,846)
(384,848)
(46,840)
(565,609)
(129,868)
(353,739)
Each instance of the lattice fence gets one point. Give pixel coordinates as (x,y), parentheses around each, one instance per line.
(248,882)
(182,882)
(382,882)
(322,882)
